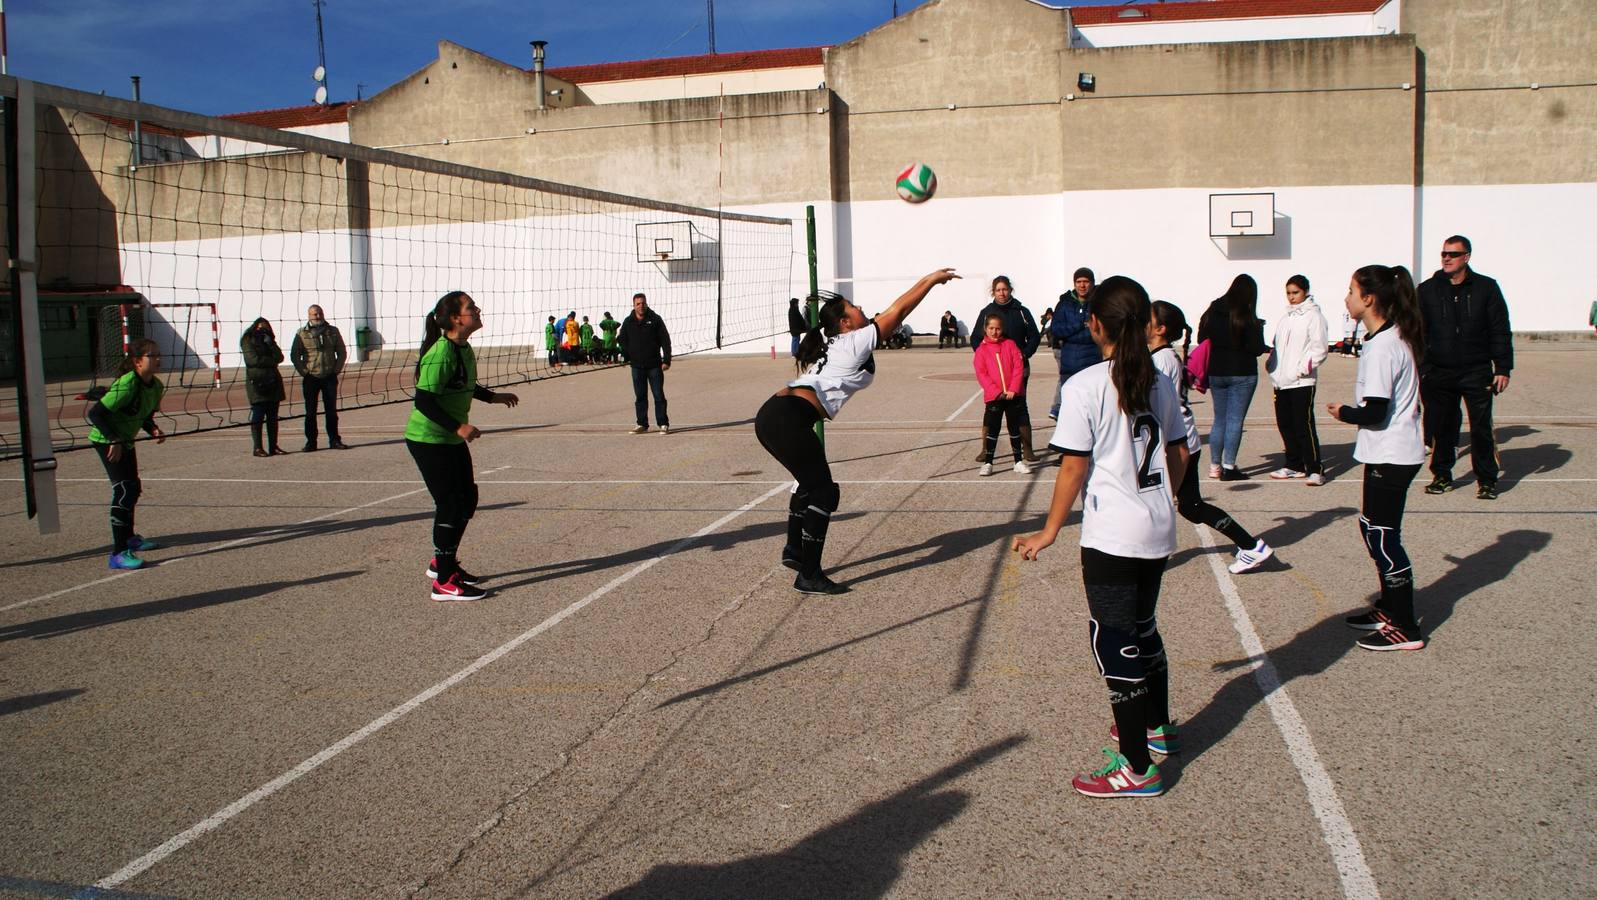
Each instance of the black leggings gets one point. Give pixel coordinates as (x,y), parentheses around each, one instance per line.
(125,491)
(1381,525)
(785,427)
(1013,409)
(1123,599)
(1195,509)
(447,471)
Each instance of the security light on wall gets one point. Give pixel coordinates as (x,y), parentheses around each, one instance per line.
(1086,82)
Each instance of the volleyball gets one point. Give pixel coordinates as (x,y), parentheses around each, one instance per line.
(917,183)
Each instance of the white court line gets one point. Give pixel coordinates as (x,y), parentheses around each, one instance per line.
(222,546)
(216,819)
(964,407)
(1354,872)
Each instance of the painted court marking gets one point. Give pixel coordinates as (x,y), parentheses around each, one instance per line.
(973,398)
(1357,881)
(221,816)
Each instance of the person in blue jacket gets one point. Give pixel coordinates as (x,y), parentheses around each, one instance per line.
(1073,345)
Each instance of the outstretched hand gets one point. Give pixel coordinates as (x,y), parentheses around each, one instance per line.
(942,276)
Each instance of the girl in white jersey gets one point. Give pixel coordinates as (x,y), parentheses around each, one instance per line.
(1168,320)
(1121,434)
(834,361)
(1389,444)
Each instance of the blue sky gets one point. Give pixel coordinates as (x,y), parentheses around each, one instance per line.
(221,56)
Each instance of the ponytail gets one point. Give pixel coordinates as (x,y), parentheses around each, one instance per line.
(1392,287)
(1169,316)
(436,322)
(1123,310)
(138,348)
(829,318)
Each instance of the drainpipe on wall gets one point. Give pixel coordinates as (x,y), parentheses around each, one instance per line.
(537,70)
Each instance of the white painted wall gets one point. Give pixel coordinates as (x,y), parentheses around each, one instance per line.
(756,81)
(1140,32)
(211,146)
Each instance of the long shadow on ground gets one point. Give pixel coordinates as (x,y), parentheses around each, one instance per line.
(33,701)
(858,857)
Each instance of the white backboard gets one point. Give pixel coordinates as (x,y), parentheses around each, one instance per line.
(664,241)
(1241,215)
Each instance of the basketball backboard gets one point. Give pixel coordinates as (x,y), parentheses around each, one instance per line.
(1241,215)
(664,241)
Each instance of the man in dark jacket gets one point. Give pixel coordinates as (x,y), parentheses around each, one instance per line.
(1469,352)
(318,356)
(648,348)
(1074,347)
(797,324)
(1020,327)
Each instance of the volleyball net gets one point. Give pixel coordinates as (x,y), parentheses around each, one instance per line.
(184,229)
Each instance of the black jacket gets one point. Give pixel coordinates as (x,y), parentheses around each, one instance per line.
(1465,324)
(1019,326)
(647,344)
(797,324)
(1226,357)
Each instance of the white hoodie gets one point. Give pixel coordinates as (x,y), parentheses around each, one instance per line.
(1300,347)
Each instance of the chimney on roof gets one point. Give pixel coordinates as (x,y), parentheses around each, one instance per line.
(537,70)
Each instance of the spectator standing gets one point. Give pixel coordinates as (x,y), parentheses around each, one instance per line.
(1020,327)
(570,338)
(1236,341)
(263,384)
(1298,352)
(551,342)
(590,347)
(608,326)
(998,366)
(319,356)
(1076,348)
(647,344)
(1469,352)
(796,325)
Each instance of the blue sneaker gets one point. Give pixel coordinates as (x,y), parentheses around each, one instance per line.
(138,542)
(125,560)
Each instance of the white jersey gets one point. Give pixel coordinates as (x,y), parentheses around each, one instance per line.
(1127,507)
(846,366)
(1386,369)
(1168,362)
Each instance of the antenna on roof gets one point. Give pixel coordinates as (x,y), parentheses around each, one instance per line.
(711,4)
(320,75)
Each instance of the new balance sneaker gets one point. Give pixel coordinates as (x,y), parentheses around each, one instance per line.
(1285,474)
(138,543)
(1439,485)
(1392,637)
(665,429)
(641,429)
(791,559)
(820,584)
(465,577)
(1116,779)
(125,560)
(1365,621)
(1486,491)
(986,469)
(1021,468)
(1315,480)
(455,589)
(1248,560)
(1162,741)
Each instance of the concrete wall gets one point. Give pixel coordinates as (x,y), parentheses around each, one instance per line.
(712,84)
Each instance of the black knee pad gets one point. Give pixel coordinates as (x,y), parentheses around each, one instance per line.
(1116,652)
(1386,548)
(125,494)
(798,501)
(826,497)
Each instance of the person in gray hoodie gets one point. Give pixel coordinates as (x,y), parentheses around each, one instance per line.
(318,356)
(1296,355)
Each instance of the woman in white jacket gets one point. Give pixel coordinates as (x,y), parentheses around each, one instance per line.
(1295,358)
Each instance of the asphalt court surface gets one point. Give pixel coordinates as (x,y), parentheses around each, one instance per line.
(644,707)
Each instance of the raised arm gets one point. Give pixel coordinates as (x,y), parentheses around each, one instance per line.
(888,320)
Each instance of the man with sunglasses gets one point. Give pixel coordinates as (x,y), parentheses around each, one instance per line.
(1469,353)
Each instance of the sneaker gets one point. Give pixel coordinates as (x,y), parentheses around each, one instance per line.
(820,584)
(1248,560)
(1365,621)
(1392,637)
(465,577)
(141,543)
(1116,779)
(1214,472)
(1439,485)
(1486,491)
(665,429)
(1054,416)
(791,559)
(455,589)
(1315,480)
(310,447)
(986,469)
(1232,473)
(1162,741)
(338,445)
(1021,468)
(125,560)
(1284,474)
(641,429)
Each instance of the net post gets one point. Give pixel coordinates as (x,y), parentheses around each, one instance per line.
(216,348)
(815,287)
(38,456)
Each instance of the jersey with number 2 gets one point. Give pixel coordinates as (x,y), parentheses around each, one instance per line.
(1126,503)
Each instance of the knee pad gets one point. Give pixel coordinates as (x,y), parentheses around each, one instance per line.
(1386,549)
(824,499)
(1150,646)
(798,501)
(125,494)
(1116,652)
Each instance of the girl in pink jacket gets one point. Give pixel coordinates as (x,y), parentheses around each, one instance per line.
(1001,371)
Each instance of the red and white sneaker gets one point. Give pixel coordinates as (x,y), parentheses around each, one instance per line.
(1116,779)
(465,577)
(455,589)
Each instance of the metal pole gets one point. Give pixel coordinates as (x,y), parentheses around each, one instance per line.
(711,4)
(815,300)
(138,129)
